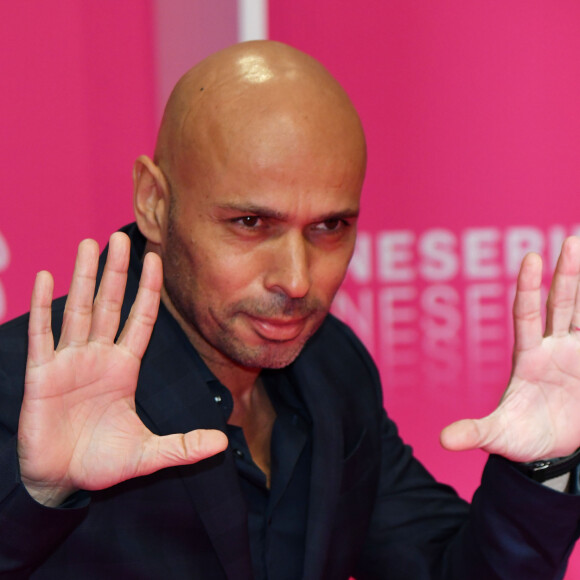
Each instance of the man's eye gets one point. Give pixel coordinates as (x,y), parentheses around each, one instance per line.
(331,225)
(249,221)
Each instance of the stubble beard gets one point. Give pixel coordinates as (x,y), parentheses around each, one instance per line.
(221,336)
(210,331)
(268,355)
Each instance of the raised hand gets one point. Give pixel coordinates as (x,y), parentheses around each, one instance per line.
(537,417)
(78,426)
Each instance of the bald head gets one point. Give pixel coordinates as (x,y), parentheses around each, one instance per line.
(252,203)
(251,94)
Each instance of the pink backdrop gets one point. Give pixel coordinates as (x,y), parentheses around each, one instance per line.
(471,114)
(78,105)
(83,85)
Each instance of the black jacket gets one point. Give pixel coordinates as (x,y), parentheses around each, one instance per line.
(374,511)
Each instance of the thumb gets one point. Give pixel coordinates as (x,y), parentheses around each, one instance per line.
(182,449)
(463,435)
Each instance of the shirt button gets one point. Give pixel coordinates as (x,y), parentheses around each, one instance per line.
(239,452)
(217,399)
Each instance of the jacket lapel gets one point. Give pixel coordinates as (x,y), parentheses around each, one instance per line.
(327,450)
(173,398)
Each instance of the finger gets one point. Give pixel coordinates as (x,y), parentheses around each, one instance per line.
(78,310)
(486,433)
(561,307)
(527,304)
(137,331)
(40,339)
(492,434)
(181,449)
(109,299)
(461,436)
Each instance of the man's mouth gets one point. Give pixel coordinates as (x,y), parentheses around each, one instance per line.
(278,329)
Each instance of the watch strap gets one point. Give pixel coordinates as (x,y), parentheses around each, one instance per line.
(544,469)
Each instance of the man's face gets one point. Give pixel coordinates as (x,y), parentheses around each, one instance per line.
(259,242)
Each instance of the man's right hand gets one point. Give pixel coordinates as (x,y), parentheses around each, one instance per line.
(78,426)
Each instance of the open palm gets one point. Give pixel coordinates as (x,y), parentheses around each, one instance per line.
(537,417)
(78,426)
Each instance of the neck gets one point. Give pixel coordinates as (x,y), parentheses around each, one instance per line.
(239,380)
(253,410)
(254,413)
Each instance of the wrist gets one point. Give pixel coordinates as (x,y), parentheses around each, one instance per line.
(547,469)
(47,495)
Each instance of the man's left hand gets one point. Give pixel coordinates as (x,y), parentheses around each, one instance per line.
(537,417)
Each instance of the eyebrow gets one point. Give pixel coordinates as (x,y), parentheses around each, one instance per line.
(267,212)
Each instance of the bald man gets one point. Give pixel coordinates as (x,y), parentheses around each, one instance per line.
(239,432)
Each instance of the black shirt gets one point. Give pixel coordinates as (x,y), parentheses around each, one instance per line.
(277,517)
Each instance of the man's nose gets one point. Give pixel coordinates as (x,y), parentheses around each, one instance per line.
(289,267)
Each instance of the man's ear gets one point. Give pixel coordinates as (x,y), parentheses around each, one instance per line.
(150,199)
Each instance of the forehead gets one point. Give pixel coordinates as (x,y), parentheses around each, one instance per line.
(278,148)
(280,174)
(277,143)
